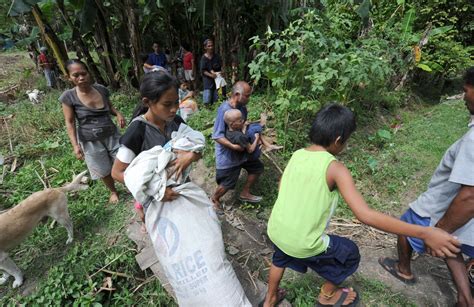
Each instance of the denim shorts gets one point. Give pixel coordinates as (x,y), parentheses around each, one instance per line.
(418,245)
(338,262)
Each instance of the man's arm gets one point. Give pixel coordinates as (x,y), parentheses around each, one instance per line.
(225,142)
(460,211)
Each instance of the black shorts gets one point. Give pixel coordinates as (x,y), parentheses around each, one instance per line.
(228,177)
(338,262)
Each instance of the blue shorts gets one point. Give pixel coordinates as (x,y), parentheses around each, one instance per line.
(209,96)
(418,245)
(338,262)
(251,131)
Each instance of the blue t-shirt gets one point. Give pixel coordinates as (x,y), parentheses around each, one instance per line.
(157,59)
(225,157)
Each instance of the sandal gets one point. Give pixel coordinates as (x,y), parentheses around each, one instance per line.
(254,199)
(342,298)
(390,265)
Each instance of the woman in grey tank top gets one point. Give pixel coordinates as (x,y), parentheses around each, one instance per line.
(95,138)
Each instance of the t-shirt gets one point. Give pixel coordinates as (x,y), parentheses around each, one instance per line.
(187,61)
(43,59)
(304,205)
(142,135)
(455,169)
(225,157)
(157,59)
(237,137)
(207,64)
(92,124)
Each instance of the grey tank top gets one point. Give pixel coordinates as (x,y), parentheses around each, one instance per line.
(93,124)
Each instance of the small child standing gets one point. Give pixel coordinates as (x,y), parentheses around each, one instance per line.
(187,102)
(235,135)
(307,199)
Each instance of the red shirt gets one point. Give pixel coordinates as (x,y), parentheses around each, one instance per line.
(187,61)
(43,59)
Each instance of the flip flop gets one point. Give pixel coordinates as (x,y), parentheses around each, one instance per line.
(253,200)
(341,300)
(390,265)
(281,294)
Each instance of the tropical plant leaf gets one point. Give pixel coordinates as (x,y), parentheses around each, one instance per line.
(440,30)
(407,23)
(424,67)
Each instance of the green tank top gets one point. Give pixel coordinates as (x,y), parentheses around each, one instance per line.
(304,206)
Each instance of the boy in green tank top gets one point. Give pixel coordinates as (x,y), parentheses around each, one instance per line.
(307,199)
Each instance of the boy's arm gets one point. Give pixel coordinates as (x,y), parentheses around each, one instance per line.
(441,243)
(251,147)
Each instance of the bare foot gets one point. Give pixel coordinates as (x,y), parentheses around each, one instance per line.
(351,296)
(217,205)
(114,198)
(143,228)
(272,148)
(271,301)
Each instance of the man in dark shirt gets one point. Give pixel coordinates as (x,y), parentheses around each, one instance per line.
(210,65)
(157,57)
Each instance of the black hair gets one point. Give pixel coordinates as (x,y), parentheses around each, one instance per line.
(207,40)
(331,122)
(153,86)
(75,61)
(185,46)
(469,76)
(156,42)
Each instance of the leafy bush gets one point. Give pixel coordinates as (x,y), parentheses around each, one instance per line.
(307,66)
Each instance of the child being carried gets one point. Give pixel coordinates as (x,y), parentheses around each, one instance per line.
(249,140)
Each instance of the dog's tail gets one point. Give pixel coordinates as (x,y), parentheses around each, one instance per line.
(75,185)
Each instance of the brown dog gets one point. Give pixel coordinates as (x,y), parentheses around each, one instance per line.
(17,223)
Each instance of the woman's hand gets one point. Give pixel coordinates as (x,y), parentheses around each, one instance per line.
(78,152)
(121,120)
(170,195)
(184,159)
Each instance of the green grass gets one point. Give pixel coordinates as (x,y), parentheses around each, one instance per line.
(68,274)
(405,162)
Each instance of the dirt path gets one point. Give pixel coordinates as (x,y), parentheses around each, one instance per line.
(434,286)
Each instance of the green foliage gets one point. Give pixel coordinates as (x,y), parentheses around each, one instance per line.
(311,63)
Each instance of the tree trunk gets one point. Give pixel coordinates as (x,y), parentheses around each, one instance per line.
(134,37)
(103,36)
(51,39)
(82,46)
